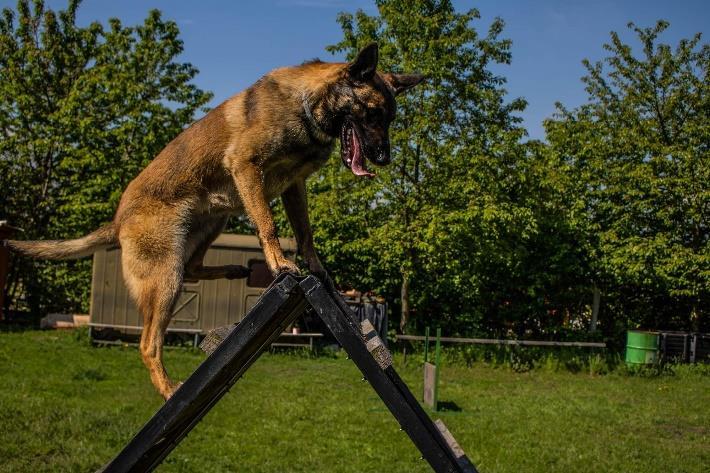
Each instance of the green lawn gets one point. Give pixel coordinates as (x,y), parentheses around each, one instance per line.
(66,406)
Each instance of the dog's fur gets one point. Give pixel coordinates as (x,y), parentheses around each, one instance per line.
(258,145)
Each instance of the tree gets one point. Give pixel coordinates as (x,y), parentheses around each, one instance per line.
(82,111)
(638,150)
(450,227)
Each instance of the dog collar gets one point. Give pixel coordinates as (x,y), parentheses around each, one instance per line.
(315,130)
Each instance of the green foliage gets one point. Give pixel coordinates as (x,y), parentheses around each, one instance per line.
(470,226)
(82,111)
(521,359)
(467,220)
(637,153)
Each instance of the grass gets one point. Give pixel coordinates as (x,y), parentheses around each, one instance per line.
(67,406)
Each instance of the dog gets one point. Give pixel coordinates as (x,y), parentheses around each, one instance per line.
(258,145)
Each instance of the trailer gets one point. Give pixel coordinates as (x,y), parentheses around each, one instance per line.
(202,305)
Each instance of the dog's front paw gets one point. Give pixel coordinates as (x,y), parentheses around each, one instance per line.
(237,271)
(288,267)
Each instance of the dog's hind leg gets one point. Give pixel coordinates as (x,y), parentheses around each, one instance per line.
(154,279)
(157,301)
(200,239)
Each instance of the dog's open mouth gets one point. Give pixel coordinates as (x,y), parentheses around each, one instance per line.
(351,150)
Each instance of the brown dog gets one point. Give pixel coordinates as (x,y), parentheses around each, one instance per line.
(256,146)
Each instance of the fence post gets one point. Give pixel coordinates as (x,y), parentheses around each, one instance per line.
(693,347)
(436,373)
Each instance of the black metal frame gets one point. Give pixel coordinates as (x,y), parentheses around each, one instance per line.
(278,307)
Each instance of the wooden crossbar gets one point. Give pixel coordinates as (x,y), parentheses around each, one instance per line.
(495,341)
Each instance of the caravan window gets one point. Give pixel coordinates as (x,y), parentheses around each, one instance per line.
(260,275)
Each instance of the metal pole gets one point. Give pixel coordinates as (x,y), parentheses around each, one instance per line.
(426,344)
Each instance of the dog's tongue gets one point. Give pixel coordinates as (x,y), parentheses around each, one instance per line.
(358,162)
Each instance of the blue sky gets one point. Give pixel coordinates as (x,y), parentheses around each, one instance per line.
(233,43)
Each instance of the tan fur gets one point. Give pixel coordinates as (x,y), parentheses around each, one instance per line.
(252,148)
(66,249)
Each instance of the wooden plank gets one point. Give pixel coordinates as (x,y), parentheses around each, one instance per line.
(374,345)
(461,457)
(340,319)
(212,379)
(494,341)
(429,396)
(215,337)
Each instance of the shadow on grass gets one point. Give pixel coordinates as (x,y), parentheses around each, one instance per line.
(448,406)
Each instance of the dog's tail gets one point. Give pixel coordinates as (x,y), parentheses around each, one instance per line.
(65,249)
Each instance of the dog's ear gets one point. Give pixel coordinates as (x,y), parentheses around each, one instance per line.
(363,67)
(402,82)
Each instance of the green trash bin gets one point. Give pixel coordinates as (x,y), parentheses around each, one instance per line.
(641,347)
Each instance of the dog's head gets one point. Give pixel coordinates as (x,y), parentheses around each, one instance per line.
(364,107)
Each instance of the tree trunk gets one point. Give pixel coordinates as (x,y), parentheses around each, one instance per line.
(405,303)
(694,318)
(595,309)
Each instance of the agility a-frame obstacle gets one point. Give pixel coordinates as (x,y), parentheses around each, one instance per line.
(286,299)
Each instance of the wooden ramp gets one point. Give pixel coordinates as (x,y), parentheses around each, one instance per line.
(232,350)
